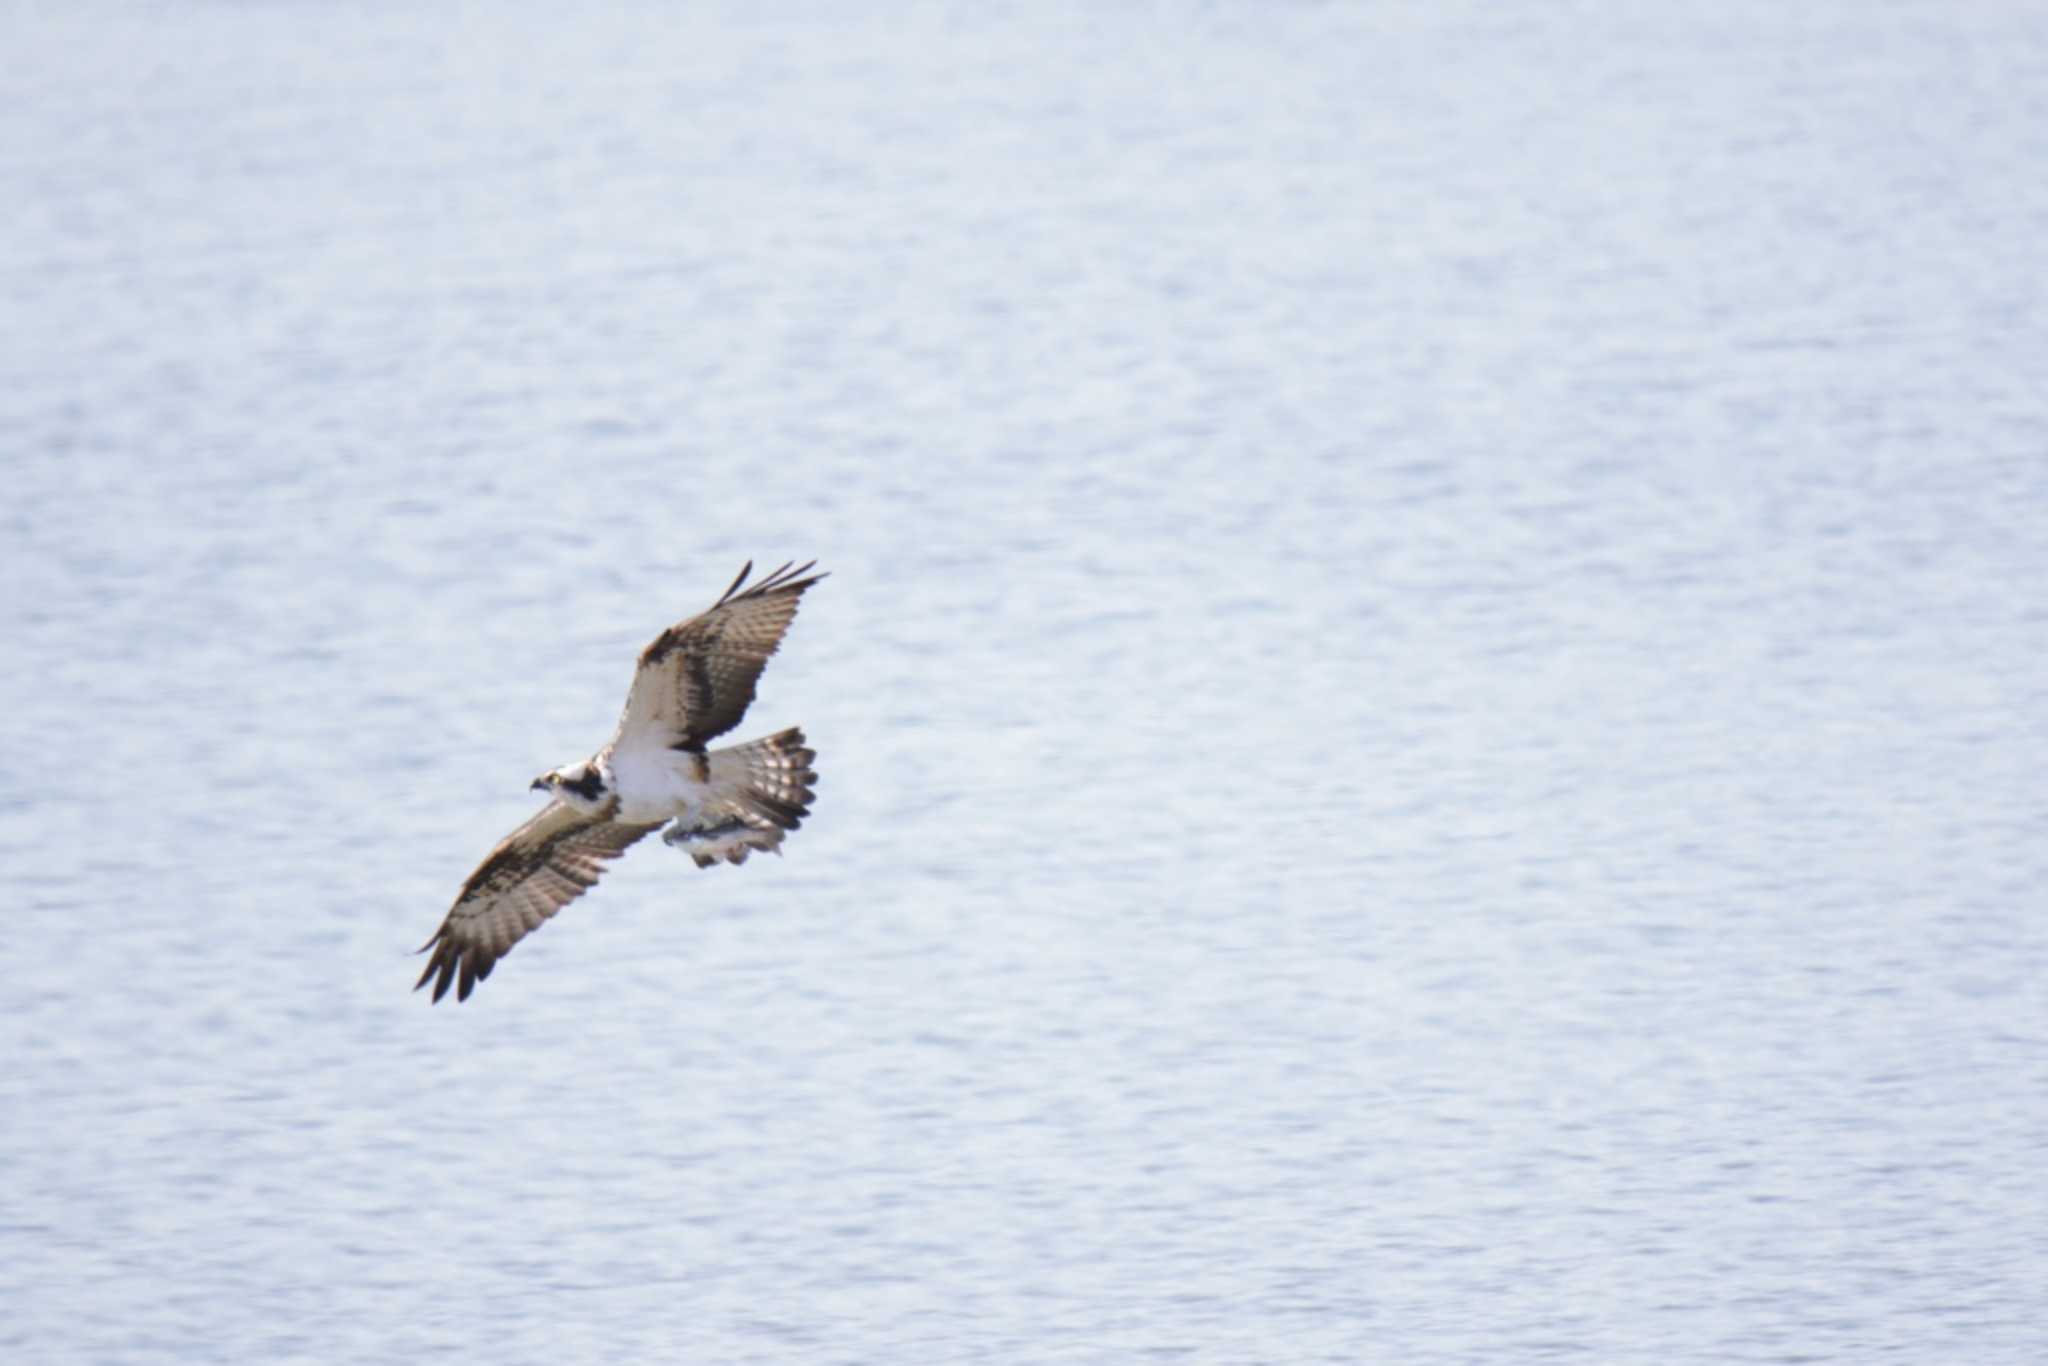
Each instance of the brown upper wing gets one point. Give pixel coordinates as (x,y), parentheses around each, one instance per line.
(535,871)
(697,679)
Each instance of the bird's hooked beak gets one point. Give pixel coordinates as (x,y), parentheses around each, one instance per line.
(540,784)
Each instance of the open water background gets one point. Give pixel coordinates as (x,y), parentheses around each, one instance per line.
(1431,706)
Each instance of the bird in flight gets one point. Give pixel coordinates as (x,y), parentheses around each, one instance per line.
(694,683)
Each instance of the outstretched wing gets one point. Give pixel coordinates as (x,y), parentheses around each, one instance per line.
(535,871)
(697,679)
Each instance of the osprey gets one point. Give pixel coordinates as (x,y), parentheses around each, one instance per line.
(694,683)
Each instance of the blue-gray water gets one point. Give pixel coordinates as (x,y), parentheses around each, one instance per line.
(1431,706)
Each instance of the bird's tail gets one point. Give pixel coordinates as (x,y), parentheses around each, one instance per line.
(760,791)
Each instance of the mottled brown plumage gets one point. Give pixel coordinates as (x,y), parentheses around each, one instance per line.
(697,679)
(535,871)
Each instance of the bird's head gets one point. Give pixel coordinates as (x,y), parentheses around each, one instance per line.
(581,785)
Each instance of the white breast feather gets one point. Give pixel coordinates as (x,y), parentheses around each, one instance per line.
(655,784)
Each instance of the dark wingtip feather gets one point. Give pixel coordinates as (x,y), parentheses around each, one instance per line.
(788,578)
(784,579)
(745,570)
(442,963)
(441,968)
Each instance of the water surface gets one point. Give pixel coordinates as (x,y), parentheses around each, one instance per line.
(1431,702)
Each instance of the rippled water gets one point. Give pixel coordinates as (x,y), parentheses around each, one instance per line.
(1431,704)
